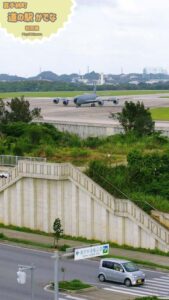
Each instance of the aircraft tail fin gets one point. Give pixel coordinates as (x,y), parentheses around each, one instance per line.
(94,88)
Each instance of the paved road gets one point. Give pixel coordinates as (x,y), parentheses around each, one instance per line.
(10,257)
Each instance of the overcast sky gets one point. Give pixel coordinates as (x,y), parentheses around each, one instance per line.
(104,35)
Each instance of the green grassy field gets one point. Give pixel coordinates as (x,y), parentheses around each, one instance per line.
(74,93)
(161,113)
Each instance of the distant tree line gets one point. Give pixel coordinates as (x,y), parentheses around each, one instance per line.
(46,86)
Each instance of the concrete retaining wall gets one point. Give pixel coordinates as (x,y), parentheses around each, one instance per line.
(85,130)
(38,193)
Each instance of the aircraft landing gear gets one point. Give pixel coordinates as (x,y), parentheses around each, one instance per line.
(93,105)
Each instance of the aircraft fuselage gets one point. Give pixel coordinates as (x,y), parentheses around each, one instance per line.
(85,99)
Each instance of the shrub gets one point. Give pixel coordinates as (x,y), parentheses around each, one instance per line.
(2,236)
(64,247)
(93,142)
(147,194)
(73,285)
(77,152)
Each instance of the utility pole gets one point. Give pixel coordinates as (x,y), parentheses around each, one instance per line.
(56,273)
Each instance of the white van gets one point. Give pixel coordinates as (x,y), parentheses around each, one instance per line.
(122,271)
(4,175)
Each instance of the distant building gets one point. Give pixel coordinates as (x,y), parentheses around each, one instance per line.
(102,81)
(154,70)
(82,80)
(134,82)
(156,81)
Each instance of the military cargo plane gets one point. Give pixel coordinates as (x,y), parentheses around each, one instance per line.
(92,99)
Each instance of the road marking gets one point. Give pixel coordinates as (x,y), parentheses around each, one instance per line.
(140,289)
(162,281)
(159,287)
(158,282)
(155,287)
(143,291)
(75,298)
(152,288)
(163,278)
(129,292)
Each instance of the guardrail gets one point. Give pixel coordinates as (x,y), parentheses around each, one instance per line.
(10,160)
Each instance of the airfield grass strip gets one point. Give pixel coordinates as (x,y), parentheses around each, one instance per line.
(161,113)
(61,94)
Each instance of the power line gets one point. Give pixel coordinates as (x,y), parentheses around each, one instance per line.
(121,192)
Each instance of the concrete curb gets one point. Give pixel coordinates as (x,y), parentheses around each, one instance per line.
(93,288)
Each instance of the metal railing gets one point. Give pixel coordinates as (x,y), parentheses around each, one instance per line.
(10,160)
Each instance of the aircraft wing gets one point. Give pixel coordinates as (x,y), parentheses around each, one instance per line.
(114,100)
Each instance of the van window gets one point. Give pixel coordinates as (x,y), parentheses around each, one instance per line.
(107,264)
(130,267)
(117,267)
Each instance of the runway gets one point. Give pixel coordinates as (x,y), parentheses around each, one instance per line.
(98,114)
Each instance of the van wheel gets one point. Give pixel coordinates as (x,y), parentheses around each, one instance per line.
(102,278)
(127,282)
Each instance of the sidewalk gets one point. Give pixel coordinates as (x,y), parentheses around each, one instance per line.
(131,254)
